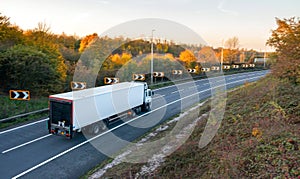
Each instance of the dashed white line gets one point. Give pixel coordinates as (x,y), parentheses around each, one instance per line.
(192,87)
(161,96)
(8,150)
(178,91)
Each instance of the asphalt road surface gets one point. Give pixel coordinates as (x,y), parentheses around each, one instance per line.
(29,151)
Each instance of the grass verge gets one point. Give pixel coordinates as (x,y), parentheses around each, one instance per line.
(259,138)
(14,107)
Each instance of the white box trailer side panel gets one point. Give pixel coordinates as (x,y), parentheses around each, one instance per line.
(101,106)
(84,112)
(125,98)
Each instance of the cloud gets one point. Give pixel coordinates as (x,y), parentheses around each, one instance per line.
(221,8)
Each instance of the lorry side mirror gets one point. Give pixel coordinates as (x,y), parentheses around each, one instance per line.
(152,93)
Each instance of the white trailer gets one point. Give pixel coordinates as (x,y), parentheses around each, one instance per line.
(91,109)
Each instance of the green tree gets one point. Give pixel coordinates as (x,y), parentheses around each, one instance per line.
(10,35)
(286,40)
(24,67)
(43,40)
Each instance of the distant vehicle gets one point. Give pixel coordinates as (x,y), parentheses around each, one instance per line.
(94,108)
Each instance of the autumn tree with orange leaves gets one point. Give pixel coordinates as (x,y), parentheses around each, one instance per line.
(286,40)
(188,58)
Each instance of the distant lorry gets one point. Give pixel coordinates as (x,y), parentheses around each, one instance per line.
(94,108)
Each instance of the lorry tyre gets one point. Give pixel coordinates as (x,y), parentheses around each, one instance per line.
(97,128)
(133,113)
(147,108)
(139,110)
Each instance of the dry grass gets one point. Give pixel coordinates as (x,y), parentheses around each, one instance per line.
(259,138)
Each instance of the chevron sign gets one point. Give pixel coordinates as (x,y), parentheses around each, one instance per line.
(78,85)
(111,80)
(158,74)
(140,77)
(19,95)
(177,72)
(192,70)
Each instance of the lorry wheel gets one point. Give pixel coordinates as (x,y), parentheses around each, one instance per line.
(97,128)
(138,110)
(147,108)
(133,113)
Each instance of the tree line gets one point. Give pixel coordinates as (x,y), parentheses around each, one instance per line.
(44,63)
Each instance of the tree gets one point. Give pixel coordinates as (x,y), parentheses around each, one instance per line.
(207,55)
(188,58)
(43,40)
(286,40)
(232,45)
(10,35)
(24,67)
(86,41)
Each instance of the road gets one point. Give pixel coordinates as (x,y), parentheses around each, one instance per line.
(30,152)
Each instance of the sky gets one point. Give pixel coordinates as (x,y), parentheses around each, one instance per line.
(213,20)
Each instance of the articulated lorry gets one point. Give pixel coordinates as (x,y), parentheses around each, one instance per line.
(94,108)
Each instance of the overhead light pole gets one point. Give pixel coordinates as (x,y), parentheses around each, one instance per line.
(222,57)
(151,68)
(265,59)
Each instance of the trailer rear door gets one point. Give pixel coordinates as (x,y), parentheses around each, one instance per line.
(60,111)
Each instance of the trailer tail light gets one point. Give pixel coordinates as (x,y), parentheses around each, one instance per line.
(68,135)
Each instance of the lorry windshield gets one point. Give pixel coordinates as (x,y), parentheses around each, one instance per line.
(60,111)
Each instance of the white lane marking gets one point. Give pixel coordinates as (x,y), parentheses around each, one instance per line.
(178,91)
(203,84)
(161,96)
(8,150)
(9,130)
(192,87)
(112,129)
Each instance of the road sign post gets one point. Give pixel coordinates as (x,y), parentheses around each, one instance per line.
(158,74)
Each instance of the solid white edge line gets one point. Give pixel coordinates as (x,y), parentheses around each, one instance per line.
(112,129)
(9,130)
(13,148)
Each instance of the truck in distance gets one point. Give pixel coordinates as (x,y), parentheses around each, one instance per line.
(94,108)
